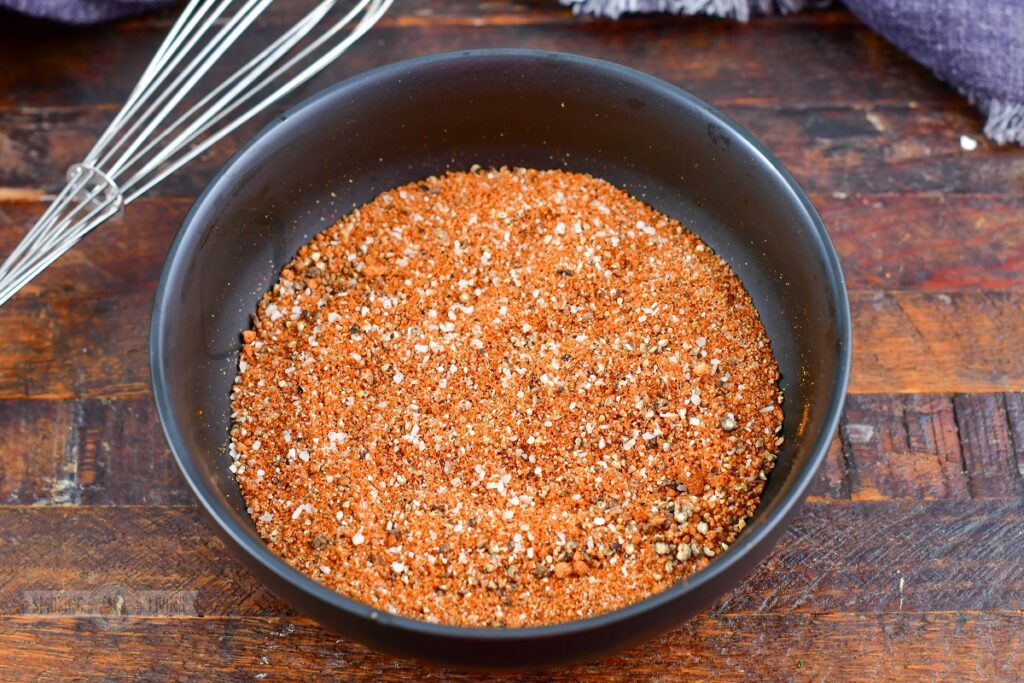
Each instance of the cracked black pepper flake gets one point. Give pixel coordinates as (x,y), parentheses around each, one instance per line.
(495,399)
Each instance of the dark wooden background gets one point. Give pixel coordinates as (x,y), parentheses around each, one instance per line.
(906,561)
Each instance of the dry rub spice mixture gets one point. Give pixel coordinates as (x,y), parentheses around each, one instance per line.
(504,398)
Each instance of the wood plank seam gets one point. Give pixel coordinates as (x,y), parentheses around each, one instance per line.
(922,485)
(849,466)
(1015,423)
(963,452)
(102,451)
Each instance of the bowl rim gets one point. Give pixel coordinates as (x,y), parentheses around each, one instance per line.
(758,531)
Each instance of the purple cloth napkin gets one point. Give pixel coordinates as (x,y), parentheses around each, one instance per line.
(82,11)
(976,45)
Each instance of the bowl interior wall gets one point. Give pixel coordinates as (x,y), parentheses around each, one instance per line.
(342,150)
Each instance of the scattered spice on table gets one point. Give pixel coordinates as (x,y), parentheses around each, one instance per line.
(504,398)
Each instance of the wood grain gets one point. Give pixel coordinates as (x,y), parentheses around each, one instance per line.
(87,452)
(933,242)
(814,60)
(904,565)
(836,557)
(907,446)
(913,342)
(85,346)
(890,447)
(993,446)
(38,451)
(833,478)
(122,456)
(912,241)
(75,346)
(123,257)
(869,149)
(891,646)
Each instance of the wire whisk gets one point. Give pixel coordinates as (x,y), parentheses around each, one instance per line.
(158,130)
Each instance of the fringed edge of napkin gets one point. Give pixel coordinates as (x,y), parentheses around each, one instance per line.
(1004,122)
(741,10)
(82,12)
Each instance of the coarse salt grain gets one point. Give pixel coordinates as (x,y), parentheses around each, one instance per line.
(417,422)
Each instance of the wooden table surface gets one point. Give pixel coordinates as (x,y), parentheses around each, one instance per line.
(905,562)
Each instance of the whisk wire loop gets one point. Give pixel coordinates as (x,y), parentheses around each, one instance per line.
(157,131)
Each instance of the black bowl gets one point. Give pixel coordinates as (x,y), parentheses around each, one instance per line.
(404,122)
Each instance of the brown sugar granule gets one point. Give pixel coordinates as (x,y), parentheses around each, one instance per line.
(504,398)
